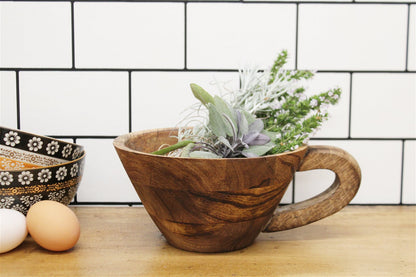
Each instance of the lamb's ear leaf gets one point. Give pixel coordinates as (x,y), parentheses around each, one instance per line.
(258,150)
(217,123)
(256,126)
(270,134)
(224,108)
(242,124)
(201,94)
(250,117)
(225,142)
(249,154)
(261,139)
(203,155)
(187,150)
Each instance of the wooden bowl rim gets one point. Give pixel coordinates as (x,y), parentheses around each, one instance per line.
(121,141)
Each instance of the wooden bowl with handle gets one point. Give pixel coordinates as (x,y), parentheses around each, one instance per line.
(219,205)
(35,168)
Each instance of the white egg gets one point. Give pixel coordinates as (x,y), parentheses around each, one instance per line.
(13,230)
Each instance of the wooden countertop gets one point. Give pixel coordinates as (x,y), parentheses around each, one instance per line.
(357,241)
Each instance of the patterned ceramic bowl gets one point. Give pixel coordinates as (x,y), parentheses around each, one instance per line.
(34,168)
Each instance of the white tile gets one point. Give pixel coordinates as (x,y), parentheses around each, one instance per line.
(104,179)
(287,197)
(311,183)
(380,163)
(383,105)
(228,35)
(8,109)
(129,35)
(337,124)
(35,34)
(159,99)
(352,37)
(409,175)
(74,103)
(411,63)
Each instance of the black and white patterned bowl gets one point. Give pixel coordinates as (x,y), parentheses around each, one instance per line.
(35,168)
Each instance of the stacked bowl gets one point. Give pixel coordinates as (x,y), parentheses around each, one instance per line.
(35,168)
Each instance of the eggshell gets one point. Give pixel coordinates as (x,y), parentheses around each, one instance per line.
(13,229)
(53,225)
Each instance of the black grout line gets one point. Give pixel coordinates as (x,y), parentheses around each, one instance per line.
(185,35)
(80,137)
(130,104)
(106,203)
(17,100)
(350,108)
(297,37)
(402,172)
(120,69)
(188,70)
(293,188)
(351,2)
(72,35)
(407,37)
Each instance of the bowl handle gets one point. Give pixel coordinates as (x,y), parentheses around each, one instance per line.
(338,195)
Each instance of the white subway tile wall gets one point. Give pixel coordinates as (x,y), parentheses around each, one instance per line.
(380,162)
(411,62)
(35,34)
(129,35)
(409,177)
(105,179)
(74,103)
(311,183)
(8,107)
(288,196)
(383,105)
(162,99)
(338,122)
(88,71)
(352,37)
(230,35)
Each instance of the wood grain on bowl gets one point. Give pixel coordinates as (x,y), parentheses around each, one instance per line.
(218,205)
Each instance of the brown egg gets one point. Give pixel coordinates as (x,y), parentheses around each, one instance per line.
(53,225)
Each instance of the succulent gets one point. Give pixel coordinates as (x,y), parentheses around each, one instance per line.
(238,133)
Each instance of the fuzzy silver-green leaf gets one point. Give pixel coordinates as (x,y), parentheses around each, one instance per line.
(217,123)
(258,150)
(201,94)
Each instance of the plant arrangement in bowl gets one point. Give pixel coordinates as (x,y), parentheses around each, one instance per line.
(269,114)
(215,182)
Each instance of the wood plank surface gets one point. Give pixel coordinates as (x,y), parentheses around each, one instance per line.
(123,241)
